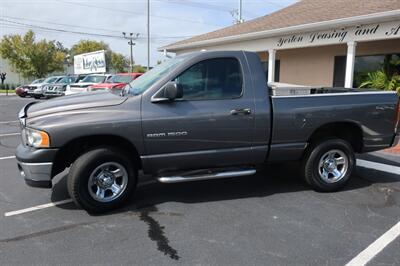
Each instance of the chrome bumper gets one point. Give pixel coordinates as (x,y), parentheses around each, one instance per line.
(36,174)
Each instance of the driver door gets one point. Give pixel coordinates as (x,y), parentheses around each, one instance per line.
(212,125)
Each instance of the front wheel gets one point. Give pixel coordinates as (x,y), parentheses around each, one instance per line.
(36,96)
(101,179)
(328,164)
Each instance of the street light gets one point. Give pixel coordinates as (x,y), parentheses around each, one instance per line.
(131,37)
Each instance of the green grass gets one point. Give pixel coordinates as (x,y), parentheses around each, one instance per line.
(9,91)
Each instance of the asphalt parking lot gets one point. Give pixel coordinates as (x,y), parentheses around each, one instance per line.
(271,218)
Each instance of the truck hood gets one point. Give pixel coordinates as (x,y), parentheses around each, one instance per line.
(73,102)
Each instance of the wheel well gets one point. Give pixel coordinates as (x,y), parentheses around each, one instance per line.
(73,149)
(348,131)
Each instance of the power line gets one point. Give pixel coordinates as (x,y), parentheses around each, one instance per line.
(136,13)
(62,30)
(196,5)
(61,24)
(49,29)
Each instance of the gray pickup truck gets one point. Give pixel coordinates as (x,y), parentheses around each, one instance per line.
(195,117)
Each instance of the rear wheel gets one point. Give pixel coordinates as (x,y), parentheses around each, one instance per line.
(328,164)
(101,179)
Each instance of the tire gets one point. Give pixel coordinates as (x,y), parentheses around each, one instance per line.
(328,164)
(86,169)
(36,96)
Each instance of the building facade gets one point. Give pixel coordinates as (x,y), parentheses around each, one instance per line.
(314,42)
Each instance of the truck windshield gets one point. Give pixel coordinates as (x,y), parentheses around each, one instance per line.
(142,83)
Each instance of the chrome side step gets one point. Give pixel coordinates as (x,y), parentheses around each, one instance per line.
(233,173)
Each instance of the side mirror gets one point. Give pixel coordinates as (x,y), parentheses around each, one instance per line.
(169,92)
(173,90)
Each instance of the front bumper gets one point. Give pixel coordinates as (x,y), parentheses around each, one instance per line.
(36,174)
(54,93)
(35,165)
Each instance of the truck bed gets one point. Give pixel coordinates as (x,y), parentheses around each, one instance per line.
(299,111)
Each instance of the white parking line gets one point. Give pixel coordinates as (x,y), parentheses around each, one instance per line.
(7,157)
(38,207)
(9,122)
(379,166)
(377,246)
(9,134)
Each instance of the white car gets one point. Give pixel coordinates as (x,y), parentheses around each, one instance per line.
(82,86)
(36,90)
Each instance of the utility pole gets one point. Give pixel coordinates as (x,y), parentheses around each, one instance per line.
(237,14)
(240,20)
(148,35)
(131,44)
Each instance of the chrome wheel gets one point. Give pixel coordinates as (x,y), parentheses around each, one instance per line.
(333,166)
(108,181)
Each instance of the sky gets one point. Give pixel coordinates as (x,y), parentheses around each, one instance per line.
(170,20)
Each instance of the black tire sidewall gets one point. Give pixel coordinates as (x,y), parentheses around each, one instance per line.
(316,151)
(82,169)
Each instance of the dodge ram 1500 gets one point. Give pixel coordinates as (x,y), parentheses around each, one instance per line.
(200,116)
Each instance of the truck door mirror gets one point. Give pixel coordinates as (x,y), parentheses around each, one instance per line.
(171,91)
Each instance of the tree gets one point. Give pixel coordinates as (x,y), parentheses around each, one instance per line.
(139,69)
(31,58)
(114,60)
(87,46)
(119,62)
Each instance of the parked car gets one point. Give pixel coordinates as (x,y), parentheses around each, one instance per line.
(117,82)
(58,88)
(200,116)
(39,91)
(23,90)
(89,80)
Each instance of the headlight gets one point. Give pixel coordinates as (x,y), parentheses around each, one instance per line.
(36,138)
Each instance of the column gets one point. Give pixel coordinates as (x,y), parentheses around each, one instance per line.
(351,55)
(271,65)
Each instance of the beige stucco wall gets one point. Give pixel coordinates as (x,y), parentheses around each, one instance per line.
(309,66)
(314,66)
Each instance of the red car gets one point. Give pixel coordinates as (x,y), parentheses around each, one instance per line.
(117,82)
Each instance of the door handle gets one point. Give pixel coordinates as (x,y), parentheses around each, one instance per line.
(243,111)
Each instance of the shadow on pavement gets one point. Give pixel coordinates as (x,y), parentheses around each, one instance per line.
(274,179)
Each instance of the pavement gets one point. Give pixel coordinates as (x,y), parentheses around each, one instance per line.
(271,218)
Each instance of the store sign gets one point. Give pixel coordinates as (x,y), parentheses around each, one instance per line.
(358,33)
(94,62)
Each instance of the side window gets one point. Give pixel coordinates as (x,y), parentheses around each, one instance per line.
(219,78)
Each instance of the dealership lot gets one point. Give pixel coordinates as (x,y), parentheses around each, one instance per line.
(270,218)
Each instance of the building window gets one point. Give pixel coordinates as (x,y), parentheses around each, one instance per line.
(370,71)
(377,71)
(339,71)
